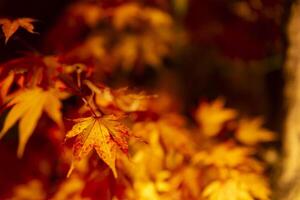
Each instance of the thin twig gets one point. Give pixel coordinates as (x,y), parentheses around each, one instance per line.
(90,107)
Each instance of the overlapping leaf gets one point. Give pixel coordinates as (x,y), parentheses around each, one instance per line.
(9,27)
(103,134)
(225,155)
(121,100)
(251,132)
(28,106)
(238,186)
(212,116)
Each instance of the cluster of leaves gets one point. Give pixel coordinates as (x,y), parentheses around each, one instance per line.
(118,143)
(127,36)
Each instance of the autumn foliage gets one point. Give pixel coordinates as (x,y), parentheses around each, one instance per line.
(107,138)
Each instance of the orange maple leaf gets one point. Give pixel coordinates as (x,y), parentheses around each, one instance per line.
(238,185)
(28,106)
(104,134)
(9,27)
(121,99)
(251,132)
(5,85)
(212,116)
(224,155)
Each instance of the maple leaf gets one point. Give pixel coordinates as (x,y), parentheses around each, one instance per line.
(157,170)
(212,116)
(6,84)
(149,46)
(229,189)
(224,155)
(9,27)
(168,127)
(238,186)
(104,134)
(131,102)
(28,106)
(150,178)
(120,99)
(250,132)
(257,185)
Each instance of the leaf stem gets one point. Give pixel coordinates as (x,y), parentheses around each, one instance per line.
(90,107)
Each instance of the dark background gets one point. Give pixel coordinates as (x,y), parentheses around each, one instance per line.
(228,55)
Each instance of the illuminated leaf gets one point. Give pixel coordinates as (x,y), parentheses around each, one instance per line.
(226,190)
(120,99)
(146,169)
(223,155)
(238,186)
(104,134)
(6,84)
(131,102)
(28,106)
(212,116)
(251,132)
(257,185)
(9,27)
(168,127)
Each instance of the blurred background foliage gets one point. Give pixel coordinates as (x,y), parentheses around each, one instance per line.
(235,49)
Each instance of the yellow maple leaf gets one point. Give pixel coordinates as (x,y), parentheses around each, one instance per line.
(226,190)
(149,46)
(104,134)
(120,99)
(257,185)
(131,102)
(250,132)
(224,155)
(238,185)
(150,178)
(28,106)
(156,170)
(212,116)
(9,27)
(168,127)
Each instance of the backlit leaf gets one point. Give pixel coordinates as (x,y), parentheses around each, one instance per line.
(251,132)
(103,134)
(9,27)
(28,106)
(212,116)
